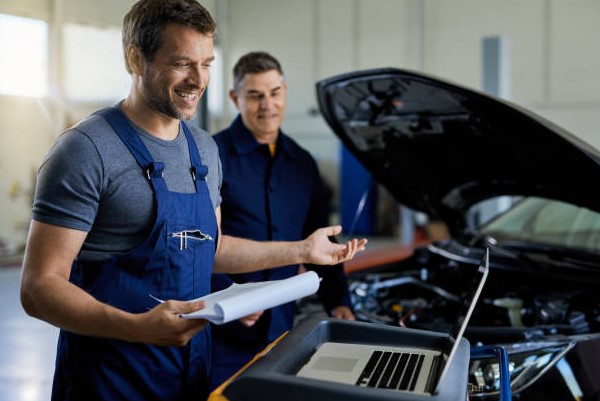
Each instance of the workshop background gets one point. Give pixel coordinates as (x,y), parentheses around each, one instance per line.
(67,61)
(62,59)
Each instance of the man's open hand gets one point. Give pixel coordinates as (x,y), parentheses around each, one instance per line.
(320,250)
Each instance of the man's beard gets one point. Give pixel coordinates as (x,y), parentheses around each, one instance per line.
(160,101)
(167,108)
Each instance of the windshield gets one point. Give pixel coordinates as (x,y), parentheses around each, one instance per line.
(550,222)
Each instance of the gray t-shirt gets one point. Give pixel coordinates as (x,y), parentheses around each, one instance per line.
(89,181)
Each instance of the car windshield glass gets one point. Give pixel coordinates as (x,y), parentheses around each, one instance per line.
(550,222)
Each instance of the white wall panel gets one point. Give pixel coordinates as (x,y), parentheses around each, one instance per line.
(554,61)
(27,8)
(574,52)
(385,34)
(335,50)
(102,13)
(28,130)
(454,32)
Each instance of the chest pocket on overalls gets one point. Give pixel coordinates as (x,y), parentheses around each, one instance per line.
(190,263)
(190,236)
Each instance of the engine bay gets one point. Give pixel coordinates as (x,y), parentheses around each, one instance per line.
(424,292)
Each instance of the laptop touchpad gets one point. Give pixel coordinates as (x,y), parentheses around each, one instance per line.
(335,364)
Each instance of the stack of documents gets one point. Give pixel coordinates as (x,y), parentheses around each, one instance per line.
(239,300)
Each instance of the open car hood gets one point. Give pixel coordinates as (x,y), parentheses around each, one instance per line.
(439,148)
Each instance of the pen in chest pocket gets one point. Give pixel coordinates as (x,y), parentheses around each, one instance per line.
(194,235)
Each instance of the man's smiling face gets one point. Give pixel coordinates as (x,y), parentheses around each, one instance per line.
(260,99)
(177,76)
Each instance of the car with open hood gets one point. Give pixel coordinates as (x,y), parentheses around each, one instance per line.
(453,153)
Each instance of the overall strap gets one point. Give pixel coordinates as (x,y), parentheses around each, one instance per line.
(198,169)
(132,140)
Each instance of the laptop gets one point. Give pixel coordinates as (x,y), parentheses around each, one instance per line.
(398,368)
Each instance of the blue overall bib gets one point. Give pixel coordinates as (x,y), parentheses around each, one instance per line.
(174,262)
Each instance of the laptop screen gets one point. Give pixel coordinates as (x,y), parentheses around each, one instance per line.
(467,307)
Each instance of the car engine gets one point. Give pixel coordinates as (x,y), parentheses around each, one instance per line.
(425,291)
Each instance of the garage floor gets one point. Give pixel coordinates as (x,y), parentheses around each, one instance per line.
(27,346)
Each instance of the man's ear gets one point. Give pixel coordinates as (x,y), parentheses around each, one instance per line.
(233,95)
(135,61)
(285,88)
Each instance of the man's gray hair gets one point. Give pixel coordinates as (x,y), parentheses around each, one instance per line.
(254,63)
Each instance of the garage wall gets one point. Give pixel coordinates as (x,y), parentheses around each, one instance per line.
(29,126)
(554,61)
(554,64)
(313,40)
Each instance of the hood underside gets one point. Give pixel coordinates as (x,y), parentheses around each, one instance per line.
(439,148)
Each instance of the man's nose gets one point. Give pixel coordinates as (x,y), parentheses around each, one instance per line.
(200,76)
(266,101)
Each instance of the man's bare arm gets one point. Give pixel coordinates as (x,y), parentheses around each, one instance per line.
(47,294)
(237,255)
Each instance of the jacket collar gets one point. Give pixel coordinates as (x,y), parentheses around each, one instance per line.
(244,141)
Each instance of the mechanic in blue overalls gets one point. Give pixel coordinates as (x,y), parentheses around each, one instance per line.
(126,212)
(272,191)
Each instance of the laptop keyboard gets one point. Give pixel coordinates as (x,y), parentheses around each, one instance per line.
(391,370)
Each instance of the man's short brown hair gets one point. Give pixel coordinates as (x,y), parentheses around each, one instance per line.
(145,23)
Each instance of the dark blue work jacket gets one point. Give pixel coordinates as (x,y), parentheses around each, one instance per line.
(266,198)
